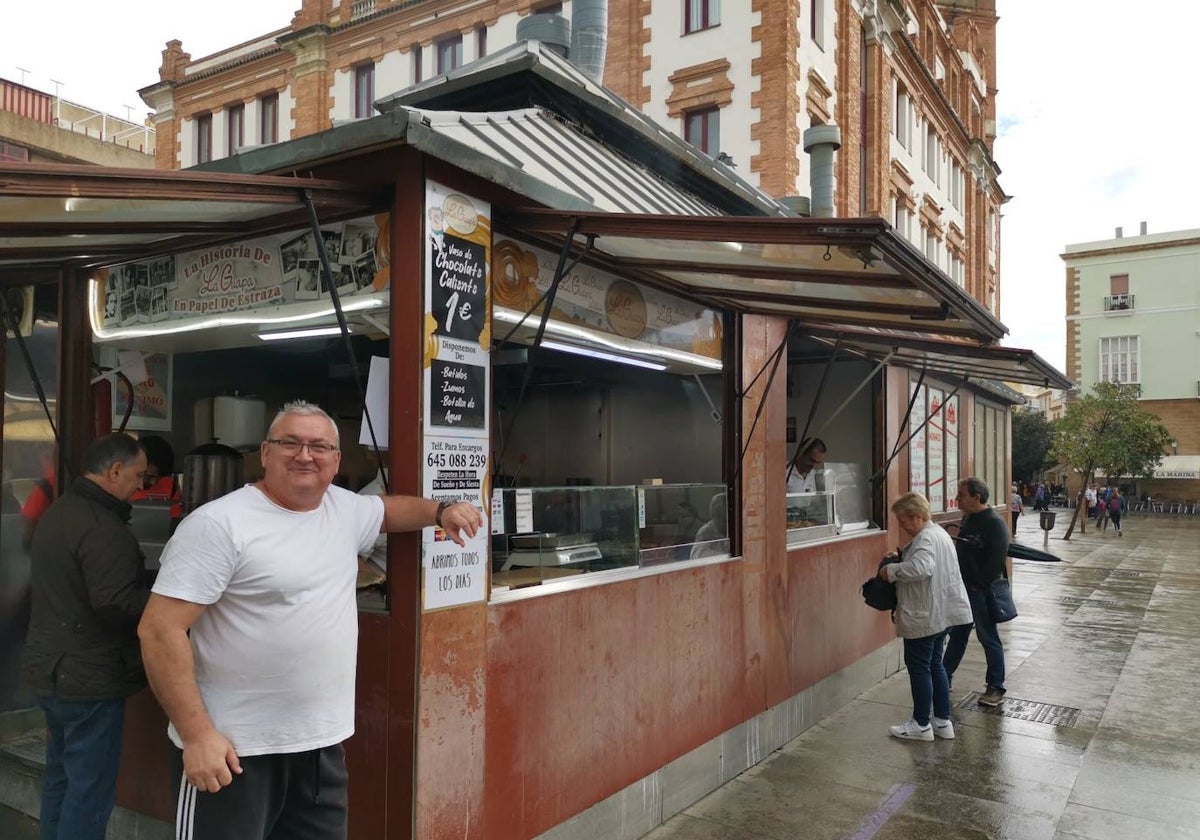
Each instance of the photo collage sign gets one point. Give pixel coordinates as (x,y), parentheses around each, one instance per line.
(243,276)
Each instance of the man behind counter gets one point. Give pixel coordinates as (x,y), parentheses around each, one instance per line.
(802,472)
(264,580)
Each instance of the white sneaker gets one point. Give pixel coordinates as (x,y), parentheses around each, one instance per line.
(910,730)
(943,728)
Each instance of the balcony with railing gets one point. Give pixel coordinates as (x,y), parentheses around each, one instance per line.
(1118,303)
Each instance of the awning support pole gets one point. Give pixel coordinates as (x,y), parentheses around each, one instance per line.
(803,439)
(560,271)
(336,299)
(866,381)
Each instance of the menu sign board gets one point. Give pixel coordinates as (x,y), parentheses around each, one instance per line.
(457,382)
(951,412)
(916,446)
(455,469)
(459,392)
(459,293)
(935,473)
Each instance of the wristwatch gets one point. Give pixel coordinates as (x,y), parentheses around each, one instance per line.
(441,508)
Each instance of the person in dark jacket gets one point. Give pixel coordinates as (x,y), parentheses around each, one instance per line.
(982,545)
(82,659)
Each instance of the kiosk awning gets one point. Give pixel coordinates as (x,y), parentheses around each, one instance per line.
(819,272)
(53,215)
(1001,364)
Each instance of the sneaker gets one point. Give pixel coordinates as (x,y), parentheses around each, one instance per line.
(910,730)
(992,697)
(943,728)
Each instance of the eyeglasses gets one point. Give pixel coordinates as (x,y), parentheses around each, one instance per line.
(293,447)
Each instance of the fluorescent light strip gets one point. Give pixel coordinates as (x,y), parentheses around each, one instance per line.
(600,354)
(98,330)
(618,345)
(304,332)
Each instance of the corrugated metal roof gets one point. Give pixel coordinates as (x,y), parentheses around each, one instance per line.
(529,74)
(544,146)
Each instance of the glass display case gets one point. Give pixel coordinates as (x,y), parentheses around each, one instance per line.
(681,522)
(810,516)
(546,533)
(842,506)
(850,484)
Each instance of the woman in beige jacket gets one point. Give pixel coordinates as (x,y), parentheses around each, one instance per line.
(931,598)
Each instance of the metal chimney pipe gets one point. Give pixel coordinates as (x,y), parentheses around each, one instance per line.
(820,142)
(589,37)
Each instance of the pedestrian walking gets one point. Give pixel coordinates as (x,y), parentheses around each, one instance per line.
(1116,510)
(1015,508)
(930,598)
(81,659)
(1102,500)
(250,637)
(982,546)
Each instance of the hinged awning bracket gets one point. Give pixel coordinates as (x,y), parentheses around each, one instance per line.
(803,440)
(336,300)
(773,362)
(547,302)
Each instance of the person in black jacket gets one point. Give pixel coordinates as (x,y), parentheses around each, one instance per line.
(982,544)
(82,658)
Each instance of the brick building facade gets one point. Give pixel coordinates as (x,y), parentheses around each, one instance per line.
(910,83)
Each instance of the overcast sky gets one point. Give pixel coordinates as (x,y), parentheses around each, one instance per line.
(1095,123)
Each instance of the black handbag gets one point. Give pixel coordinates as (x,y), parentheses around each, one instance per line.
(1000,605)
(881,594)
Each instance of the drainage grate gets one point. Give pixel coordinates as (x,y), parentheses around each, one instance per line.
(1029,710)
(1072,601)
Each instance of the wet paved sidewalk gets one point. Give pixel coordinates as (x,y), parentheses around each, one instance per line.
(1113,632)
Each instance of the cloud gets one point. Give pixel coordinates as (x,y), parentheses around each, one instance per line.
(1115,184)
(1006,122)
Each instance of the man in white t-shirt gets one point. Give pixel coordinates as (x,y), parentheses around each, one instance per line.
(803,472)
(264,580)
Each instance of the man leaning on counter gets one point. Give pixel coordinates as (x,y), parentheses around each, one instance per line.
(264,580)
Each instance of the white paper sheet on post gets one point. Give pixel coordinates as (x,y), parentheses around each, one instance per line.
(377,403)
(133,364)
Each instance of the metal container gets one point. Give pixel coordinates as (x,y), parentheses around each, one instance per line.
(209,472)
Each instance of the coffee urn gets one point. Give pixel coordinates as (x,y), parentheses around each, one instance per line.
(210,471)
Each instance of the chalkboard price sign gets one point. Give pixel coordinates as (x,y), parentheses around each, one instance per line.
(458,395)
(459,286)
